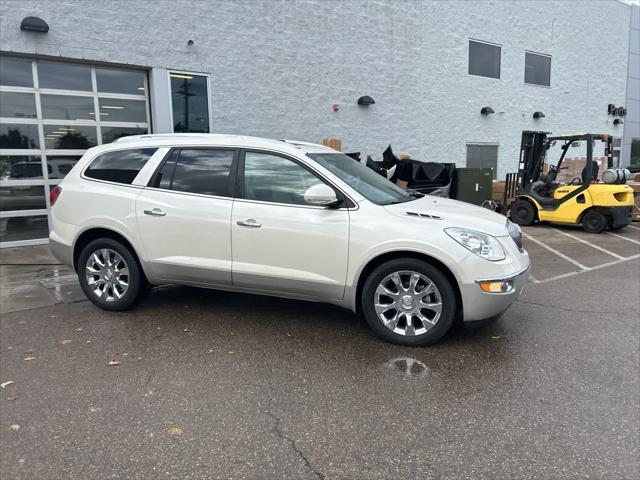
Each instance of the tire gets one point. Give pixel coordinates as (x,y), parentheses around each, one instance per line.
(120,291)
(427,325)
(523,213)
(594,221)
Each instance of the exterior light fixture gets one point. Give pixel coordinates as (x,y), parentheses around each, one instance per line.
(366,100)
(34,24)
(189,42)
(617,121)
(487,111)
(538,115)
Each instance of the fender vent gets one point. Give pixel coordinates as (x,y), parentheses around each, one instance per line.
(423,215)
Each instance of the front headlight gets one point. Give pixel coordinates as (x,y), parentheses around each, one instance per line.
(481,244)
(515,233)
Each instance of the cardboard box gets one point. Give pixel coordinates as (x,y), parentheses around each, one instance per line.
(334,143)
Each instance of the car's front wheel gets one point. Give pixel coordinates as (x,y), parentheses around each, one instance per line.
(109,274)
(408,302)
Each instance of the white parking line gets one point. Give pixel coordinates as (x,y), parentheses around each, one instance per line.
(620,257)
(571,274)
(560,254)
(631,226)
(624,238)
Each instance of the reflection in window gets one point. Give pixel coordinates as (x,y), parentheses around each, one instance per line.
(112,110)
(109,134)
(15,135)
(64,76)
(23,228)
(69,137)
(203,171)
(484,59)
(16,72)
(121,166)
(190,103)
(59,166)
(66,107)
(270,178)
(18,105)
(22,198)
(537,69)
(20,167)
(120,81)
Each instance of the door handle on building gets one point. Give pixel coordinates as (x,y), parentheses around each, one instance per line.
(156,212)
(249,223)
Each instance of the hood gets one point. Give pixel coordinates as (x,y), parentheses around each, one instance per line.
(451,213)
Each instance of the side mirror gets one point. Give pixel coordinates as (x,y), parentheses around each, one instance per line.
(321,194)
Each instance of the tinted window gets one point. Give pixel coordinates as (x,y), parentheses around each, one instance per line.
(16,72)
(120,81)
(13,167)
(17,135)
(190,103)
(484,59)
(64,76)
(69,137)
(165,175)
(67,107)
(121,166)
(59,166)
(19,105)
(537,69)
(203,171)
(112,110)
(109,134)
(361,178)
(270,178)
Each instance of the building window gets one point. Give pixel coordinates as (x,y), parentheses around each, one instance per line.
(190,102)
(635,151)
(537,69)
(50,114)
(483,156)
(484,59)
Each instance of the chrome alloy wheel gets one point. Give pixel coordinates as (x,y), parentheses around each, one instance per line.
(408,303)
(107,274)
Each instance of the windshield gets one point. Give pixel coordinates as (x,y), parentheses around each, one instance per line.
(361,178)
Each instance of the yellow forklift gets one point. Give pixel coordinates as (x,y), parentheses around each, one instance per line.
(596,205)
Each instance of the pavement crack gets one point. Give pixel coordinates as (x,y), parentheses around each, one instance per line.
(576,310)
(291,442)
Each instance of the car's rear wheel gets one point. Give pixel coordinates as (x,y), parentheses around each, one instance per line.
(109,274)
(408,302)
(594,221)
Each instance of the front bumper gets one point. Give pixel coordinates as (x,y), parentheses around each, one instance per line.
(478,305)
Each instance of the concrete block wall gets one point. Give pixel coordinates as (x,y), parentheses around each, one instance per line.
(278,66)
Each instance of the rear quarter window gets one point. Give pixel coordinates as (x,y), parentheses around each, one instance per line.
(121,166)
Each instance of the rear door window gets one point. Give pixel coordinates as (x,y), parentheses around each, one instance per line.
(121,166)
(204,171)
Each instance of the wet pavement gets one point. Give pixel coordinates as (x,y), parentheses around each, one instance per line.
(221,385)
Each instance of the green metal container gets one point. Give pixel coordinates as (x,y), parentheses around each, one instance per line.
(474,185)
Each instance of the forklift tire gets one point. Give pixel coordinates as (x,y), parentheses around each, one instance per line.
(594,221)
(523,212)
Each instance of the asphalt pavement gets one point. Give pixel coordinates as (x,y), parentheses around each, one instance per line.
(219,385)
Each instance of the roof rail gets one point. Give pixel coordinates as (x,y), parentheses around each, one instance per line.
(150,136)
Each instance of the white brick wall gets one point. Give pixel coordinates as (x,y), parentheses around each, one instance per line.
(278,66)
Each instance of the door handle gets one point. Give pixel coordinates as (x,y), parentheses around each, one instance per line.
(249,223)
(156,212)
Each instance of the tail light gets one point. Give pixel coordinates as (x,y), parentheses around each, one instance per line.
(55,193)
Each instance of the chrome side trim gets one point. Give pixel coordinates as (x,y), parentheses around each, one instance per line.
(510,277)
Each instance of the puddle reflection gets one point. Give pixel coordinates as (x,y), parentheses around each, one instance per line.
(408,366)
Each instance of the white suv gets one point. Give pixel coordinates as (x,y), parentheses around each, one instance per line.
(281,218)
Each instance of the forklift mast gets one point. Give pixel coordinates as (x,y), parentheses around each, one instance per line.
(532,152)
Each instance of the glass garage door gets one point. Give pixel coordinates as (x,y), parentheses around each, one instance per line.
(50,114)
